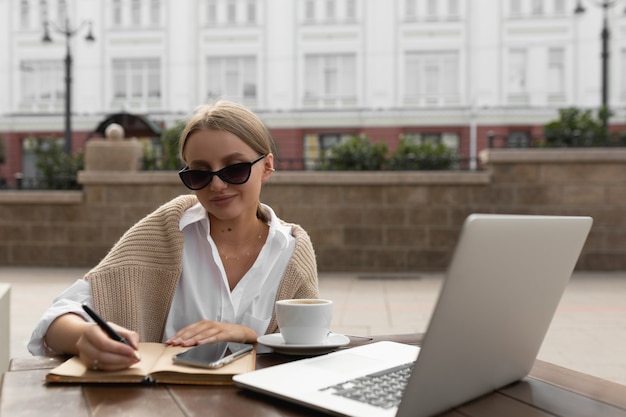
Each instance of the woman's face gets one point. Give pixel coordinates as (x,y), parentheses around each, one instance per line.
(212,150)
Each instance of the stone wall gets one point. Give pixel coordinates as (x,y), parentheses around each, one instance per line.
(358,221)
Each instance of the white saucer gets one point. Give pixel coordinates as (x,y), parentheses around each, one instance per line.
(276,342)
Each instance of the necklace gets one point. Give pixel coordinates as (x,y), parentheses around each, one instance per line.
(245,251)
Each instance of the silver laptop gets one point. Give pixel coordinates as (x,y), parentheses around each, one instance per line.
(502,288)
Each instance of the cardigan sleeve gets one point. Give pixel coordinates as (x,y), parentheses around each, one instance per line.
(300,279)
(134,284)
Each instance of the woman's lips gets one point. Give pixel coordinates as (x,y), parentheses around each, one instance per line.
(221,200)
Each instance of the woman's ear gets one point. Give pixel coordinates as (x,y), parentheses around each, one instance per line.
(268,166)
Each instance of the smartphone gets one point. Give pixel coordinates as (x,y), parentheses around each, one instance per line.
(212,355)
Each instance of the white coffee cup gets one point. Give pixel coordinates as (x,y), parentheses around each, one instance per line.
(304,321)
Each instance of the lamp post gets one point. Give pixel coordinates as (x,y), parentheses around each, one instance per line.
(604,36)
(69,32)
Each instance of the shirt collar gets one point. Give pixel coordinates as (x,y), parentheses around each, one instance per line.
(197,214)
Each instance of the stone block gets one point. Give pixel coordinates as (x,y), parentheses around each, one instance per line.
(425,216)
(339,259)
(374,214)
(406,195)
(326,236)
(363,236)
(605,173)
(408,237)
(534,195)
(583,194)
(446,195)
(617,195)
(516,173)
(102,155)
(443,237)
(384,259)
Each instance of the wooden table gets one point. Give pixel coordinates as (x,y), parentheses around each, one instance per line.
(549,390)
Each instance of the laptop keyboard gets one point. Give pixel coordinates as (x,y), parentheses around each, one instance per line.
(381,389)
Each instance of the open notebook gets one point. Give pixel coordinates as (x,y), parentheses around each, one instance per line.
(502,288)
(156,366)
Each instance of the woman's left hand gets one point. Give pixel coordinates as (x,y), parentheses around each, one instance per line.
(208,331)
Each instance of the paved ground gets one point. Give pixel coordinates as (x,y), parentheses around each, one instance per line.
(588,333)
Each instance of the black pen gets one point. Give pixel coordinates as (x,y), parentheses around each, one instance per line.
(109,331)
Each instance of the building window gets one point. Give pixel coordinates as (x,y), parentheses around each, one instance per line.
(538,8)
(309,11)
(453,9)
(449,139)
(351,10)
(211,12)
(251,12)
(42,85)
(136,79)
(137,82)
(518,140)
(559,7)
(135,12)
(316,145)
(431,9)
(234,78)
(330,80)
(410,10)
(155,12)
(556,75)
(30,158)
(231,12)
(116,11)
(330,10)
(61,11)
(517,78)
(24,14)
(432,78)
(43,8)
(515,7)
(153,68)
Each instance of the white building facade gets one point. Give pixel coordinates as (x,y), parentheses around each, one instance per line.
(314,70)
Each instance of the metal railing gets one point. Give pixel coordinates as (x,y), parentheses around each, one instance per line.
(41,183)
(409,164)
(574,140)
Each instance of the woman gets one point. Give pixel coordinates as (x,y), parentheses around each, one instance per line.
(201,268)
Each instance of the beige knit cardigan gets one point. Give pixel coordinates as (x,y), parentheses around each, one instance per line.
(134,284)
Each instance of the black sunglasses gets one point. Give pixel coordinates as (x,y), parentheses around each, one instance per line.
(197,179)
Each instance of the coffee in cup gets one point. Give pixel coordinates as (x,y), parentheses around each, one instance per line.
(304,321)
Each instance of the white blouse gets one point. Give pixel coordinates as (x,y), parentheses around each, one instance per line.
(203,291)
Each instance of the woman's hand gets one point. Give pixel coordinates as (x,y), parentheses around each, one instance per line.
(99,352)
(208,331)
(71,334)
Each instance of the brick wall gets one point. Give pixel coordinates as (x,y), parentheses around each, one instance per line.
(358,221)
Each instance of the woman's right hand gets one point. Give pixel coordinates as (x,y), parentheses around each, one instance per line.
(99,352)
(71,334)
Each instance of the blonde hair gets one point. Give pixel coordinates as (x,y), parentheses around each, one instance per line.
(236,119)
(230,117)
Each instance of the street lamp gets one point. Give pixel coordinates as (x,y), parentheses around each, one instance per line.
(69,32)
(605,36)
